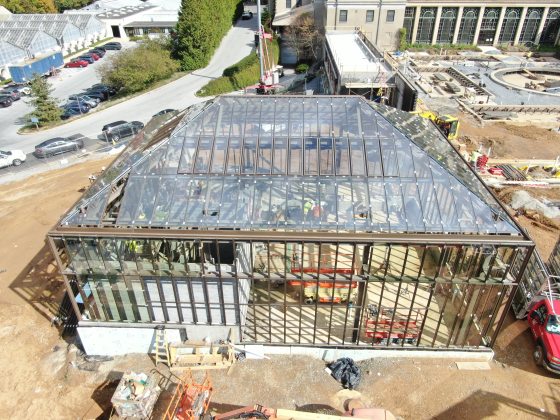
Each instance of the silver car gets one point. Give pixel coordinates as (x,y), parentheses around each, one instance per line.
(59,145)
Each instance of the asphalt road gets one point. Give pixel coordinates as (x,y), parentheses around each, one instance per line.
(178,94)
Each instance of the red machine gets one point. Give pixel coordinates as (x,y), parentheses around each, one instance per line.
(385,326)
(190,400)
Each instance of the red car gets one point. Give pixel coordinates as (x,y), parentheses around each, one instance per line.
(76,63)
(544,323)
(92,55)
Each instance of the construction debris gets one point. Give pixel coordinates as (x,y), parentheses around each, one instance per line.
(135,396)
(522,200)
(345,371)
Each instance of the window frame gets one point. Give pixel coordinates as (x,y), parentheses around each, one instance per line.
(390,13)
(370,16)
(340,14)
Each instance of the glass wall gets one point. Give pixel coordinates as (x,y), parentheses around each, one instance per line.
(299,292)
(426,23)
(509,25)
(447,23)
(531,25)
(489,25)
(408,24)
(551,27)
(467,26)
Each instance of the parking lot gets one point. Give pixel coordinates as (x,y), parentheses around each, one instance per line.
(67,82)
(178,94)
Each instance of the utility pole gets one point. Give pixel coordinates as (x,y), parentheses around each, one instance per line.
(261,40)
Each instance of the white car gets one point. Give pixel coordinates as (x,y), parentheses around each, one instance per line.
(11,157)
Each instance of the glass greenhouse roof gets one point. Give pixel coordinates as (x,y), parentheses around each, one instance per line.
(294,163)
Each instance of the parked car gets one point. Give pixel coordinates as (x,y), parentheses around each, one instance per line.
(112,46)
(105,88)
(82,102)
(87,58)
(76,62)
(15,95)
(119,129)
(69,113)
(96,94)
(544,324)
(5,101)
(92,55)
(247,15)
(92,102)
(78,104)
(22,89)
(59,145)
(11,158)
(164,111)
(101,53)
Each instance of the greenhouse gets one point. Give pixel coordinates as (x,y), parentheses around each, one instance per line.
(91,29)
(67,35)
(317,221)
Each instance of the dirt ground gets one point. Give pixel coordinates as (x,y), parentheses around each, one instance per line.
(44,376)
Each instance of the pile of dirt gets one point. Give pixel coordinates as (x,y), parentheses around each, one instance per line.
(509,140)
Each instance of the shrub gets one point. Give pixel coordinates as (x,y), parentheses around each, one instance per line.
(242,74)
(302,68)
(136,69)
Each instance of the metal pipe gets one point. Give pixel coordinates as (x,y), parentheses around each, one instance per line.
(261,40)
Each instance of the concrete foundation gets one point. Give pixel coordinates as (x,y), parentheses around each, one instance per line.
(330,354)
(117,341)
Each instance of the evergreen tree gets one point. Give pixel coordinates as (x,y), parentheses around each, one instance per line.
(46,109)
(201,26)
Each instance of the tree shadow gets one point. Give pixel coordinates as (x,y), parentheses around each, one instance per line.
(483,405)
(102,396)
(42,287)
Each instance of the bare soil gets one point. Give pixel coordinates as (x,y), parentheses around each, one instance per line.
(510,140)
(43,376)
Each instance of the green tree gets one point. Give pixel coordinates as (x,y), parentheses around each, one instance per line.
(46,109)
(63,5)
(201,26)
(136,69)
(29,6)
(304,37)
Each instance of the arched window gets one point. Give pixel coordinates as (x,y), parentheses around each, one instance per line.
(531,25)
(551,27)
(426,24)
(509,25)
(447,23)
(467,28)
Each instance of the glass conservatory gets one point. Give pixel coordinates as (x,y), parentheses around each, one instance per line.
(294,220)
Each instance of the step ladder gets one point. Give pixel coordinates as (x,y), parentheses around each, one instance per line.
(161,346)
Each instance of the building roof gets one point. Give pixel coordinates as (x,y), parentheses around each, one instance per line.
(123,12)
(22,38)
(355,62)
(151,24)
(55,28)
(293,163)
(81,20)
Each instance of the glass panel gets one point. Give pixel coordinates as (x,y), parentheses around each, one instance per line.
(147,201)
(164,201)
(311,164)
(219,155)
(187,158)
(204,153)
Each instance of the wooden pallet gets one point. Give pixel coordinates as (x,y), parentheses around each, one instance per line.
(200,356)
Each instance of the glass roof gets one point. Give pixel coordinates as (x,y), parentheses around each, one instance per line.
(297,163)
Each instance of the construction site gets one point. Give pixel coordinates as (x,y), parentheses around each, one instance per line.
(227,262)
